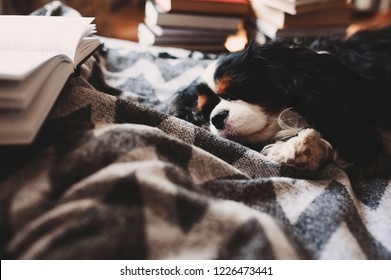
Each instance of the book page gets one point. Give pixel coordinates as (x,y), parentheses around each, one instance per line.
(21,127)
(17,65)
(18,95)
(85,49)
(44,34)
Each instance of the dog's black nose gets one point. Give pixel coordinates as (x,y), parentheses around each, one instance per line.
(218,119)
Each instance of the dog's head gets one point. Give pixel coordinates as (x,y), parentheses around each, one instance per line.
(243,93)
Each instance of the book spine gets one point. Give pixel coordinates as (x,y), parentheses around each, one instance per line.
(237,8)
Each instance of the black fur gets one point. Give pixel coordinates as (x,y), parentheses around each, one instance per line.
(345,94)
(183,105)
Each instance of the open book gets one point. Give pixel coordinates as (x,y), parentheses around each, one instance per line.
(37,55)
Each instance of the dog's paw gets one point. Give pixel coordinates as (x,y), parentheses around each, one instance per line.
(306,151)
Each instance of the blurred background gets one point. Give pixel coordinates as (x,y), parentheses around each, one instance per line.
(114,18)
(121,18)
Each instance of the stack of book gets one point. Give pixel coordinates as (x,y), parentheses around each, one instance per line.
(37,54)
(302,19)
(191,24)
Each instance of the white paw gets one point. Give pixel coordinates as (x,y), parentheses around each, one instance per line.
(307,150)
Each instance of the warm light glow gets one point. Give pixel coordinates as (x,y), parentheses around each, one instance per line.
(236,42)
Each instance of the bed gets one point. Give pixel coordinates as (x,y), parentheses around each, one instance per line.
(110,176)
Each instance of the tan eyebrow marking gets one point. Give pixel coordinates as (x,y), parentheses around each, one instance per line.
(202,100)
(223,84)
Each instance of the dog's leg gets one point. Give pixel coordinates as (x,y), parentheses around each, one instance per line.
(306,151)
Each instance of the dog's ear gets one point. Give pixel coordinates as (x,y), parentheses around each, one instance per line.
(183,105)
(363,146)
(206,100)
(357,141)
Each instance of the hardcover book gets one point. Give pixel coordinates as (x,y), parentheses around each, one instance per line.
(324,14)
(274,32)
(156,16)
(233,7)
(175,36)
(294,7)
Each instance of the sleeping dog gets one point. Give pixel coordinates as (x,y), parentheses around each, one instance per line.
(303,105)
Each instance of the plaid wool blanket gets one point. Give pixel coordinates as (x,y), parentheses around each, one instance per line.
(111,177)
